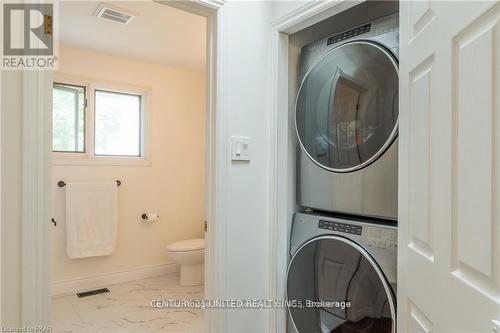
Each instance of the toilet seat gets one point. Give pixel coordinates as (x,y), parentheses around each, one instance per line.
(187,245)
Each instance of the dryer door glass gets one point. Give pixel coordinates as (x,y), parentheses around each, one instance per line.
(334,285)
(347,106)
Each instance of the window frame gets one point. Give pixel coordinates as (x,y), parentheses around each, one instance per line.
(85,88)
(140,121)
(88,157)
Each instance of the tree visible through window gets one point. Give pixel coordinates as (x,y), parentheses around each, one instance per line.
(117,124)
(68,123)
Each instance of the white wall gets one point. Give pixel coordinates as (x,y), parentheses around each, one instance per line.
(246,91)
(173,185)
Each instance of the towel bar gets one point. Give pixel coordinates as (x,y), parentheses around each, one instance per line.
(61,183)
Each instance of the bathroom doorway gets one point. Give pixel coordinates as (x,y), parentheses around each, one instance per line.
(131,151)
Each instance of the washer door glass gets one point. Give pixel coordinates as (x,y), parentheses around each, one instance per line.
(334,285)
(347,106)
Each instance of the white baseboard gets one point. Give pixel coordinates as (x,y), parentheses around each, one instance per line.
(106,279)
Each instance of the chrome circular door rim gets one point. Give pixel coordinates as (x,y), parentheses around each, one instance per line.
(371,260)
(394,131)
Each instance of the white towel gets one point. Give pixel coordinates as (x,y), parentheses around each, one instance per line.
(91,219)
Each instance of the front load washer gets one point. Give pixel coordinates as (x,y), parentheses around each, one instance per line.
(342,275)
(346,117)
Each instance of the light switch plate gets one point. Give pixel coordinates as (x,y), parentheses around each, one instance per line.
(240,148)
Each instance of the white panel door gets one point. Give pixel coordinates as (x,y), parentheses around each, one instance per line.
(449,236)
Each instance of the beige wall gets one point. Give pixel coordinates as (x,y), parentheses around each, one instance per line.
(173,186)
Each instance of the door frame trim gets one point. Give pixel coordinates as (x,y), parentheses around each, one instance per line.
(37,182)
(36,204)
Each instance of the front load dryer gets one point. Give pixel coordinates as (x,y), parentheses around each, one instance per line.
(346,117)
(342,275)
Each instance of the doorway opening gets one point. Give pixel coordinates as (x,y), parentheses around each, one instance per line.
(130,173)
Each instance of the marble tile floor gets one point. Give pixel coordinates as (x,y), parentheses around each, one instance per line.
(127,309)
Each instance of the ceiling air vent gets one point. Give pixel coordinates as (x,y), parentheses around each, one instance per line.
(117,15)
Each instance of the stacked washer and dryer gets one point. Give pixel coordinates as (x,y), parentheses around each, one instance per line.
(343,247)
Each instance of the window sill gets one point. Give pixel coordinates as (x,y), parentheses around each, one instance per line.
(60,159)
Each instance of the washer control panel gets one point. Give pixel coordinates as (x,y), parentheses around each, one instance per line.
(374,236)
(381,238)
(341,227)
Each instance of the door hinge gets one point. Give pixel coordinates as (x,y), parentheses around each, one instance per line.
(53,220)
(206,226)
(47,25)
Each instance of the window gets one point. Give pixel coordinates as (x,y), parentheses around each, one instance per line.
(68,123)
(99,123)
(117,124)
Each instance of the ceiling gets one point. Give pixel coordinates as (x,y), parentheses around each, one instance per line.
(159,34)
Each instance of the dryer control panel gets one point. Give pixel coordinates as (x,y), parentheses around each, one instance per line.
(349,34)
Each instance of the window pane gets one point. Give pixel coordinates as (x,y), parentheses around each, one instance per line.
(117,124)
(68,122)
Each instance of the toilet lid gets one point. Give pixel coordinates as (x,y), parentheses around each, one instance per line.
(187,245)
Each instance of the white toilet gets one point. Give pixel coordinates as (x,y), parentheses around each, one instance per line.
(189,254)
